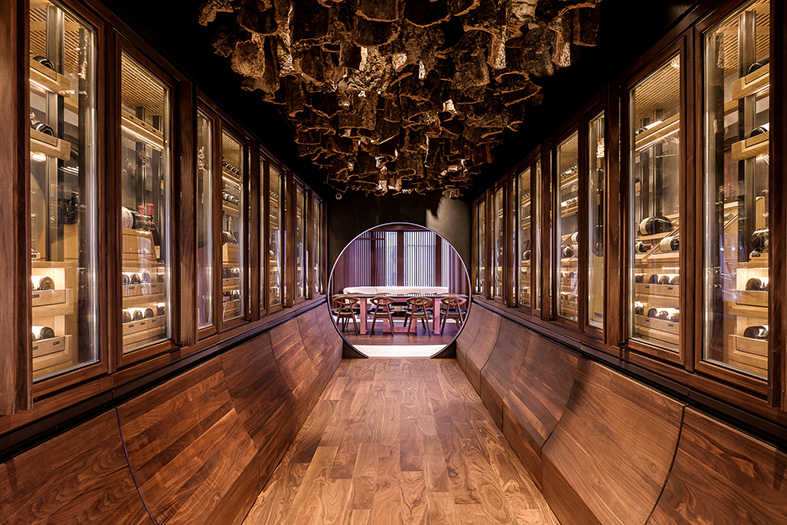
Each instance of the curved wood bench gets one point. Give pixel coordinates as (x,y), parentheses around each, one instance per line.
(721,475)
(502,366)
(186,445)
(80,476)
(536,399)
(609,455)
(296,366)
(467,335)
(477,353)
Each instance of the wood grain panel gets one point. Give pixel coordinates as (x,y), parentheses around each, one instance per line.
(297,368)
(721,475)
(186,445)
(80,476)
(536,400)
(483,344)
(503,365)
(316,347)
(612,448)
(468,335)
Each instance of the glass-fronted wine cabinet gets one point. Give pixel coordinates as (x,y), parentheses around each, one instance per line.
(63,183)
(275,248)
(655,217)
(524,205)
(145,211)
(736,100)
(480,246)
(567,231)
(204,193)
(233,241)
(596,155)
(498,242)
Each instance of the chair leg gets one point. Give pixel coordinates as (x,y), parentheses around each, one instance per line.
(355,324)
(374,320)
(390,322)
(442,323)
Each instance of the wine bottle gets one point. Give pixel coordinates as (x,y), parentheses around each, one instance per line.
(124,279)
(654,225)
(145,278)
(639,278)
(42,128)
(675,317)
(756,332)
(639,308)
(675,280)
(138,314)
(758,131)
(136,278)
(148,313)
(126,315)
(670,244)
(160,309)
(642,247)
(44,61)
(759,239)
(567,251)
(42,282)
(654,278)
(653,313)
(663,314)
(42,332)
(757,284)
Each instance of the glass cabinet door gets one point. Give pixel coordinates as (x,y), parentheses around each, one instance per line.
(654,182)
(204,221)
(595,257)
(300,245)
(497,236)
(480,259)
(567,227)
(145,212)
(535,264)
(736,159)
(316,256)
(524,207)
(62,190)
(275,237)
(232,230)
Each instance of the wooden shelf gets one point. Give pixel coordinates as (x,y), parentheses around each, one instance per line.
(661,325)
(751,83)
(51,355)
(137,243)
(753,298)
(48,79)
(657,132)
(230,283)
(49,303)
(666,290)
(749,354)
(143,337)
(143,325)
(48,145)
(230,254)
(142,130)
(751,147)
(143,290)
(233,177)
(231,209)
(144,300)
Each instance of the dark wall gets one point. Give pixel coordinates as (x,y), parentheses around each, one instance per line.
(355,214)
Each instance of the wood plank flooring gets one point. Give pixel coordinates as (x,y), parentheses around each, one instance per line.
(400,441)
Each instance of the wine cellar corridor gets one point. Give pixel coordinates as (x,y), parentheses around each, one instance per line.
(393,261)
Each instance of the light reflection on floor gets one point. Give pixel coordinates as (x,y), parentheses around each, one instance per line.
(399,351)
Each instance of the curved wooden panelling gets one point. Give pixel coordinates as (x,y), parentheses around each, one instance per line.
(535,402)
(721,475)
(296,366)
(502,367)
(468,335)
(316,347)
(608,457)
(477,353)
(80,476)
(186,445)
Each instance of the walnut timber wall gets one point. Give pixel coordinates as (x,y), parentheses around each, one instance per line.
(196,449)
(604,448)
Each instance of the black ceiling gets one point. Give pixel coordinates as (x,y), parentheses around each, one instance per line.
(627,29)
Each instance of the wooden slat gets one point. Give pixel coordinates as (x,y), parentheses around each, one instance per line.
(608,458)
(536,400)
(186,445)
(503,366)
(721,475)
(468,335)
(478,352)
(80,476)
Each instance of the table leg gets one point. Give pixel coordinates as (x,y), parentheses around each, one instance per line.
(436,326)
(363,315)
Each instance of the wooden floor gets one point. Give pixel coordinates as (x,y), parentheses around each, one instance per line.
(400,441)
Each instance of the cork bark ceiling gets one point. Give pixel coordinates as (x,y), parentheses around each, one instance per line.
(400,96)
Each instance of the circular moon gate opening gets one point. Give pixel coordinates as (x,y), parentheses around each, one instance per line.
(399,290)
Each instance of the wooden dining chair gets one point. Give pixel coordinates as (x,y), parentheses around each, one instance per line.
(418,308)
(344,310)
(451,306)
(382,308)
